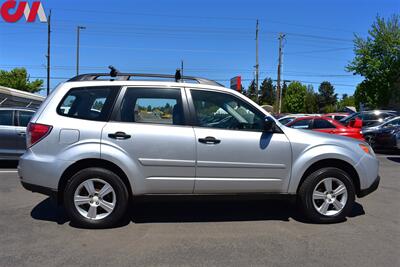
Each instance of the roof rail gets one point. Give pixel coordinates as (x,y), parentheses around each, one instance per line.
(127,76)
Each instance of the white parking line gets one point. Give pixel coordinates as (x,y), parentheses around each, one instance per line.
(14,171)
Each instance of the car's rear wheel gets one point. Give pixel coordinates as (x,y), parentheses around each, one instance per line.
(327,195)
(96,198)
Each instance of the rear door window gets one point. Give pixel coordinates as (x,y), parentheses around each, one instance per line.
(6,117)
(152,105)
(89,103)
(24,117)
(301,124)
(322,124)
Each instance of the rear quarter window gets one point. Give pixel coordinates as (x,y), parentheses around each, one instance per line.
(89,103)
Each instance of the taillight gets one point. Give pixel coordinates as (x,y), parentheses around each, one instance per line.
(36,132)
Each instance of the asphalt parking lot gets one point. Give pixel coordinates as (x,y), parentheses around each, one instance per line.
(33,231)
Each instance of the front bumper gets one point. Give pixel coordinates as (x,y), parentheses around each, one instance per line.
(370,189)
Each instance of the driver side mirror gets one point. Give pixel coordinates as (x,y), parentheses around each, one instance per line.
(269,124)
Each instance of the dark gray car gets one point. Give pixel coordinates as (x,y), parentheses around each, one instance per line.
(13,122)
(370,117)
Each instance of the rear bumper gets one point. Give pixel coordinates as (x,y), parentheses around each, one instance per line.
(40,189)
(370,189)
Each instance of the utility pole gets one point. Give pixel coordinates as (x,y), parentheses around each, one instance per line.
(78,28)
(48,52)
(256,66)
(278,86)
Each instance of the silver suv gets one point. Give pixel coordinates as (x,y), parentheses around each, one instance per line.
(96,143)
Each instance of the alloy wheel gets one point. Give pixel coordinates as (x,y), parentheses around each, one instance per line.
(95,199)
(330,196)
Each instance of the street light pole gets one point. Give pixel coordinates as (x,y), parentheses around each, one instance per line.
(78,28)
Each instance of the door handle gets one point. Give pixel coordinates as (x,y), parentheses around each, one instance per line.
(21,133)
(119,135)
(209,140)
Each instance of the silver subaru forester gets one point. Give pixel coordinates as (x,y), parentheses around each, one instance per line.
(99,141)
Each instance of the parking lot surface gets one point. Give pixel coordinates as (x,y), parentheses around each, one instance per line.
(34,231)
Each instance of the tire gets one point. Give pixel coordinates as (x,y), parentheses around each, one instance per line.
(108,206)
(325,206)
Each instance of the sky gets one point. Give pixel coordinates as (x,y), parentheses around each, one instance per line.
(215,39)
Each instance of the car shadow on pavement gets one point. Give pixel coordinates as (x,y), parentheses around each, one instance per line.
(178,211)
(8,164)
(48,210)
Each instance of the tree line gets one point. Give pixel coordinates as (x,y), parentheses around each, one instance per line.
(300,98)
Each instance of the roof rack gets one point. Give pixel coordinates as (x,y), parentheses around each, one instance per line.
(127,76)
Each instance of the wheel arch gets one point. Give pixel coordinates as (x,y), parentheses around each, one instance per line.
(86,163)
(336,163)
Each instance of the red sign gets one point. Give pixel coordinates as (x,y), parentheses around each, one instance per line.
(236,83)
(12,11)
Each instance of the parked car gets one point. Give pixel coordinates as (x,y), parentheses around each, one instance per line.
(383,135)
(336,116)
(326,125)
(369,117)
(13,122)
(290,117)
(398,139)
(93,163)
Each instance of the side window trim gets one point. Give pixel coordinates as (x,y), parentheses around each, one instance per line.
(115,114)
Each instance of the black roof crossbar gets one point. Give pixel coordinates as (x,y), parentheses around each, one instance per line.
(127,76)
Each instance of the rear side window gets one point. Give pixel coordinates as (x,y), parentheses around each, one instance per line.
(322,124)
(301,124)
(89,103)
(152,105)
(6,117)
(24,117)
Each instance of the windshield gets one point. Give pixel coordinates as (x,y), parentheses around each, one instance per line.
(345,120)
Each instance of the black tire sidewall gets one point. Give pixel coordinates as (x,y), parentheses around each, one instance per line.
(117,184)
(307,188)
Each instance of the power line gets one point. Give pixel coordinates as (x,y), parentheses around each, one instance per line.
(206,17)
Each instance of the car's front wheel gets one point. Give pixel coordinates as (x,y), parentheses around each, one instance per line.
(327,195)
(95,198)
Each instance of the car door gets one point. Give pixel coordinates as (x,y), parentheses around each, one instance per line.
(149,126)
(234,155)
(323,126)
(23,118)
(8,139)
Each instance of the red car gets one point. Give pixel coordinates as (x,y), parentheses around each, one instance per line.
(327,125)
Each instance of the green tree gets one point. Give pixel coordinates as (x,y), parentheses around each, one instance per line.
(251,91)
(311,100)
(326,96)
(294,100)
(377,58)
(18,79)
(345,102)
(268,92)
